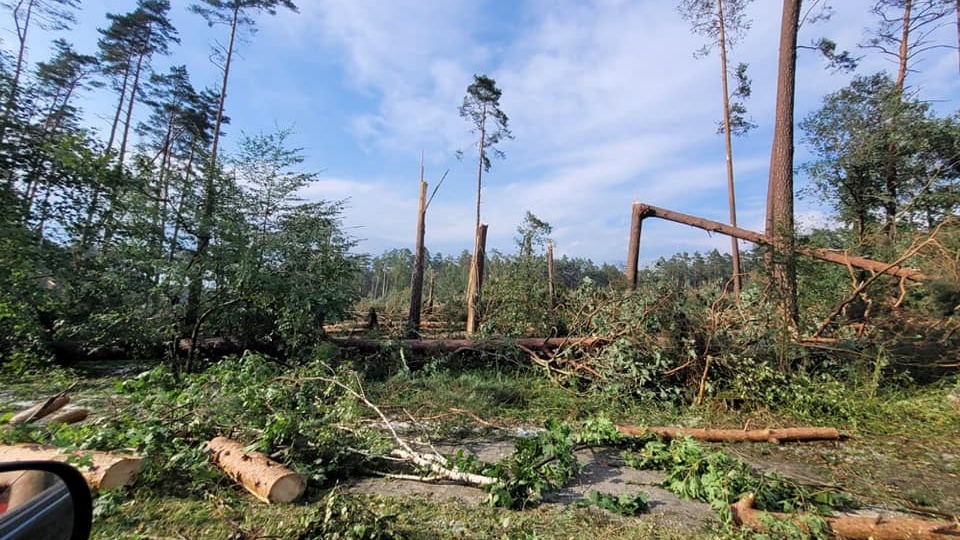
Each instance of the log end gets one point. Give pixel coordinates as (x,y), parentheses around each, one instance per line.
(741,510)
(287,488)
(121,473)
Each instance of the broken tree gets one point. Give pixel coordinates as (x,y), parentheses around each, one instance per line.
(642,211)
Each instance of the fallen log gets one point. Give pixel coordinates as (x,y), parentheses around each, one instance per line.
(102,470)
(453,345)
(852,527)
(266,479)
(642,211)
(66,416)
(38,411)
(737,435)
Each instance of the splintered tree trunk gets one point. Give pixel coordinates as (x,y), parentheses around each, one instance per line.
(416,281)
(780,225)
(105,470)
(264,478)
(476,278)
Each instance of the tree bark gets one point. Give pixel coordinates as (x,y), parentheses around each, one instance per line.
(850,527)
(266,479)
(646,210)
(737,435)
(633,251)
(106,470)
(780,225)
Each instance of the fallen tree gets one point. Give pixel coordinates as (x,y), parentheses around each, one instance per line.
(455,345)
(66,416)
(266,479)
(849,527)
(737,435)
(102,470)
(642,211)
(38,411)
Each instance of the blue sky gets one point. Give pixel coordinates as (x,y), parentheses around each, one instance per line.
(606,101)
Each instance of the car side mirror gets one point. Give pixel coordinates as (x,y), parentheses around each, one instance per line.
(43,500)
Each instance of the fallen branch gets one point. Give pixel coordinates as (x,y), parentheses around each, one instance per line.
(736,435)
(913,250)
(435,463)
(266,479)
(852,528)
(102,470)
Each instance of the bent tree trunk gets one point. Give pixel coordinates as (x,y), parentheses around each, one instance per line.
(642,211)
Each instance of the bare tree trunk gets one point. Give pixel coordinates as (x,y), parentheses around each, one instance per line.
(416,281)
(633,252)
(904,45)
(780,225)
(551,284)
(433,277)
(728,139)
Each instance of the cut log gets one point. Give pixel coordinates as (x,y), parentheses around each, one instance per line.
(40,410)
(66,416)
(737,435)
(851,527)
(102,470)
(266,479)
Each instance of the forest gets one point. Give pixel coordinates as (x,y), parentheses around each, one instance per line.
(180,300)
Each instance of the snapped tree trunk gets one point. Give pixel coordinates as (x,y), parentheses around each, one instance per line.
(476,278)
(633,252)
(416,280)
(266,479)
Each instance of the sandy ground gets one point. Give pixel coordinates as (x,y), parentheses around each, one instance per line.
(602,470)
